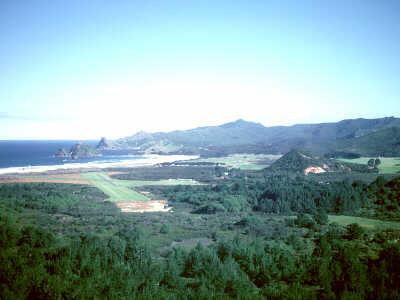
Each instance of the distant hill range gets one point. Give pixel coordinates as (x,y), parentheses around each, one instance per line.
(356,137)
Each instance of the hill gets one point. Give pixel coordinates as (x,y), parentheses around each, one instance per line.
(204,140)
(385,142)
(357,136)
(304,162)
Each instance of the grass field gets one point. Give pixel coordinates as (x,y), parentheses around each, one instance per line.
(122,190)
(364,222)
(243,161)
(116,191)
(137,183)
(389,165)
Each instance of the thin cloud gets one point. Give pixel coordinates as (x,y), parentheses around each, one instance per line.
(7,116)
(4,115)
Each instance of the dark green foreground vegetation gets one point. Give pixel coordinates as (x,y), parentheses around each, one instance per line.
(64,241)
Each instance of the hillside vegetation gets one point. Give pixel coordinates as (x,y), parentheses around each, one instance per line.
(67,241)
(305,162)
(366,137)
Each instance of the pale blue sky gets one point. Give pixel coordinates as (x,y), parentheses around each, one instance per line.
(86,69)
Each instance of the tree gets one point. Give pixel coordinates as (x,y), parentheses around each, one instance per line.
(354,231)
(164,229)
(371,163)
(377,162)
(321,217)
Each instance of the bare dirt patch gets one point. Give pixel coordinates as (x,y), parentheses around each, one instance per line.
(115,173)
(304,156)
(315,170)
(74,175)
(19,180)
(144,206)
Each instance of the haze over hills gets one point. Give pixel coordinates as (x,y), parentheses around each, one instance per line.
(367,137)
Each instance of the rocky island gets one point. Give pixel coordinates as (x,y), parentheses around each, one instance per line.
(62,152)
(103,144)
(79,150)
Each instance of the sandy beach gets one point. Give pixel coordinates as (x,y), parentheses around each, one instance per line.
(148,160)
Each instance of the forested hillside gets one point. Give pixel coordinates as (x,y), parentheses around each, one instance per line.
(385,142)
(369,137)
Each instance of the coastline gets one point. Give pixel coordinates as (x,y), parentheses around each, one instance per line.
(148,160)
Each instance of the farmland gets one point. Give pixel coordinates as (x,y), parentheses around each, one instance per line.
(243,161)
(363,222)
(389,165)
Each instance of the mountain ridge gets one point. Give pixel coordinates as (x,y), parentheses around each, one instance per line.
(351,135)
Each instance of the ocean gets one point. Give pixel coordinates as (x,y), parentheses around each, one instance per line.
(41,153)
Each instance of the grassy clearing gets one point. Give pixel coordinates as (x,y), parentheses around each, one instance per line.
(364,222)
(243,161)
(116,191)
(137,183)
(122,190)
(389,165)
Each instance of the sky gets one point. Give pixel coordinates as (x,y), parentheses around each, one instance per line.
(87,69)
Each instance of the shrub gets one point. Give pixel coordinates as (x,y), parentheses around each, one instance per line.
(305,220)
(354,231)
(321,217)
(210,208)
(164,229)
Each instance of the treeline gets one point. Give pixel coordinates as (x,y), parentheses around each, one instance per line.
(283,194)
(385,198)
(344,263)
(51,198)
(204,173)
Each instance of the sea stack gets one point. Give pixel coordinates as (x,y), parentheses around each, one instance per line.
(62,152)
(103,144)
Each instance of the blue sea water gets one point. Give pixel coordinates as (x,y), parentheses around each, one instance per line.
(41,153)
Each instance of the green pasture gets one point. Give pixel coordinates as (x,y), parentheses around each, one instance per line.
(243,161)
(364,222)
(389,165)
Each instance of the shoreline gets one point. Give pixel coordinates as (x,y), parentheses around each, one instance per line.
(148,160)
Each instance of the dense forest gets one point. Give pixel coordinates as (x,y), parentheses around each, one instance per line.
(345,263)
(253,235)
(289,194)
